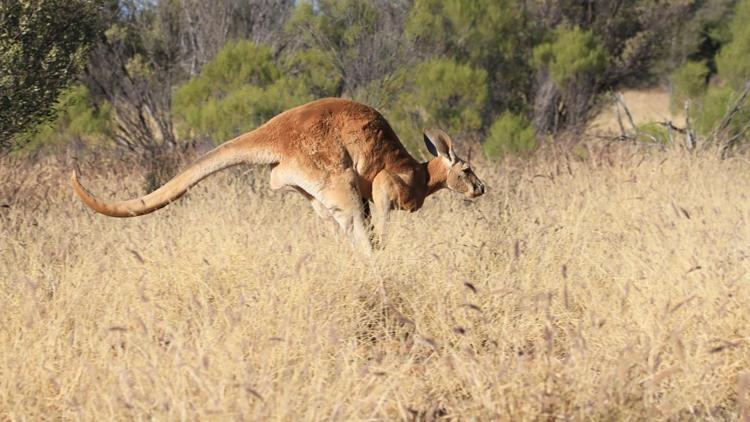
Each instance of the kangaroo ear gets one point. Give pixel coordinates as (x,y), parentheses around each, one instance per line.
(439,143)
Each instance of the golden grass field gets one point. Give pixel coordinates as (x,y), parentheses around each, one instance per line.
(613,287)
(645,105)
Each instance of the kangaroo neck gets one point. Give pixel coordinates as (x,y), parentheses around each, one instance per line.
(436,175)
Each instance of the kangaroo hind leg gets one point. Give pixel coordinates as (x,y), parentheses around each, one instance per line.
(343,200)
(284,180)
(388,191)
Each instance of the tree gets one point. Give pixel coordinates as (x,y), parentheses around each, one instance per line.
(363,40)
(244,86)
(208,25)
(134,66)
(733,60)
(570,65)
(723,110)
(636,36)
(439,93)
(492,35)
(43,47)
(151,47)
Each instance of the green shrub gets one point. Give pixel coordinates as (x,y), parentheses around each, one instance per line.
(440,93)
(733,60)
(243,87)
(220,102)
(509,134)
(714,106)
(339,21)
(688,82)
(313,72)
(492,35)
(572,54)
(453,94)
(708,112)
(76,118)
(43,47)
(650,131)
(733,71)
(475,30)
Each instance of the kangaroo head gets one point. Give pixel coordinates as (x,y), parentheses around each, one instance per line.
(459,177)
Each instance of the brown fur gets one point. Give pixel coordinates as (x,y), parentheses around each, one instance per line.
(338,153)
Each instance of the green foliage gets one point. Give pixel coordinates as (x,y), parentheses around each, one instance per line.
(43,46)
(340,21)
(452,94)
(229,96)
(471,67)
(570,68)
(713,102)
(237,64)
(733,60)
(473,30)
(362,41)
(76,118)
(733,66)
(572,54)
(650,131)
(314,71)
(688,82)
(242,87)
(486,34)
(714,105)
(697,38)
(442,93)
(509,134)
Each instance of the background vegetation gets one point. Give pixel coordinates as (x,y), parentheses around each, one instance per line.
(160,74)
(43,46)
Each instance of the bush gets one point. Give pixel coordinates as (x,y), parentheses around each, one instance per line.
(714,106)
(688,82)
(733,60)
(509,134)
(76,119)
(572,54)
(733,71)
(220,102)
(43,46)
(314,72)
(569,67)
(243,87)
(492,35)
(650,131)
(453,94)
(442,93)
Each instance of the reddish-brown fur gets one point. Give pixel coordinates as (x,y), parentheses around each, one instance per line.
(337,153)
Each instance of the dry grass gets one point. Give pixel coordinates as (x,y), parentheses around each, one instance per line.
(611,288)
(645,105)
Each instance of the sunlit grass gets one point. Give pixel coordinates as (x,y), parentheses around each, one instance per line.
(612,288)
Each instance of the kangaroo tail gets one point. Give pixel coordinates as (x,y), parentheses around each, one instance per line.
(237,151)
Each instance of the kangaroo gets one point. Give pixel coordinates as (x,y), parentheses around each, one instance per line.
(339,154)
